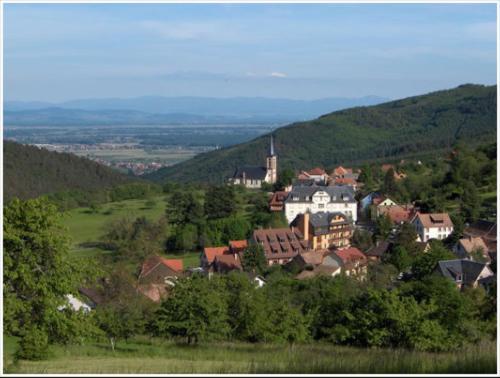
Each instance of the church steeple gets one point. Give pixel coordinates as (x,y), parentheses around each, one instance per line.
(272,164)
(271,147)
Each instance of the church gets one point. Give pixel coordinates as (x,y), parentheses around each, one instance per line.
(254,176)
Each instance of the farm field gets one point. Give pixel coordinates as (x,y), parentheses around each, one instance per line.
(146,356)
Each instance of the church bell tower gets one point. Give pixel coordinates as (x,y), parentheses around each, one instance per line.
(272,164)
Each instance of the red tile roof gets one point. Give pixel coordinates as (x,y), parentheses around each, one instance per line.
(238,244)
(211,252)
(279,243)
(340,171)
(350,254)
(227,262)
(398,214)
(345,181)
(317,171)
(153,261)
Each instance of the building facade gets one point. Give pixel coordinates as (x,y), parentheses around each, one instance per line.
(432,226)
(314,199)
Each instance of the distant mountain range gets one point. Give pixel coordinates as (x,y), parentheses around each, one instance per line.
(156,110)
(415,125)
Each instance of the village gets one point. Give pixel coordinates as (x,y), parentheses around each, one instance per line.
(323,211)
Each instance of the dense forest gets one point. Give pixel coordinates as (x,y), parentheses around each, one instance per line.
(30,172)
(409,127)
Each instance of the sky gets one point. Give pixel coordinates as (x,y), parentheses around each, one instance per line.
(59,52)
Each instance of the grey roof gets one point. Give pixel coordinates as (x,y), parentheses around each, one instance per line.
(339,194)
(251,172)
(469,270)
(379,250)
(322,219)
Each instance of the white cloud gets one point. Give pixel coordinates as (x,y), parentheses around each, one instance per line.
(277,74)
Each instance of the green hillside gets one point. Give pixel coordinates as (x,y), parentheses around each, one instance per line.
(29,172)
(415,125)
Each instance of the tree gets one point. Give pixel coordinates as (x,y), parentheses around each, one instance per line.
(383,227)
(425,263)
(406,237)
(362,239)
(285,178)
(254,259)
(400,258)
(220,202)
(38,272)
(195,310)
(183,207)
(390,186)
(471,201)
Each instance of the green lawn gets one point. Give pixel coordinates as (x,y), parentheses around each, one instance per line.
(145,356)
(85,226)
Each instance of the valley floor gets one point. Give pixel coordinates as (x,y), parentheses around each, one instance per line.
(147,356)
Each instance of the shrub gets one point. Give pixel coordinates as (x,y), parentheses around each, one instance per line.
(34,345)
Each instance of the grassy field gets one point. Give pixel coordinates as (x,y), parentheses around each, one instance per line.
(85,226)
(151,356)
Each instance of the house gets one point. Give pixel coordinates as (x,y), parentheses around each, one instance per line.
(157,275)
(487,231)
(255,176)
(378,251)
(310,258)
(466,246)
(227,263)
(351,260)
(159,270)
(314,199)
(396,213)
(465,273)
(209,253)
(277,201)
(238,246)
(318,175)
(280,245)
(344,176)
(432,226)
(324,230)
(91,296)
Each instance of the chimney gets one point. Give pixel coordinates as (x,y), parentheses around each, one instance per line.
(306,225)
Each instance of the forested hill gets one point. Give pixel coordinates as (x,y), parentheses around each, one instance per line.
(394,129)
(29,172)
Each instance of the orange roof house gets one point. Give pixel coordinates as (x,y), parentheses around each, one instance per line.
(209,254)
(237,246)
(157,274)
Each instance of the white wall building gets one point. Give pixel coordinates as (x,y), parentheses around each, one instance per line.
(432,226)
(314,199)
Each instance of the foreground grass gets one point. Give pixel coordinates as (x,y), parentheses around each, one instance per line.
(155,356)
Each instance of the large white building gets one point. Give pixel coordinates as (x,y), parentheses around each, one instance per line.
(314,199)
(432,226)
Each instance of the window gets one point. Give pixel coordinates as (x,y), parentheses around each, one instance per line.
(321,205)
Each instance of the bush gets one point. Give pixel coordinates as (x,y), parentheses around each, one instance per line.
(34,345)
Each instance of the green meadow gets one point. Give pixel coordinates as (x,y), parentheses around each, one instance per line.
(155,356)
(87,225)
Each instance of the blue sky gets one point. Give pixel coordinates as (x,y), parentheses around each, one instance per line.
(58,52)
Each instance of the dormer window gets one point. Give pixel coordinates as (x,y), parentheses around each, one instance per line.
(295,198)
(334,198)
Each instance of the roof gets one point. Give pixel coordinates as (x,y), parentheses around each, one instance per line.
(338,194)
(324,219)
(316,171)
(317,271)
(153,261)
(350,254)
(278,198)
(435,220)
(211,252)
(227,262)
(386,167)
(470,244)
(314,257)
(345,181)
(92,294)
(251,172)
(483,228)
(280,242)
(469,269)
(378,250)
(398,214)
(340,171)
(238,244)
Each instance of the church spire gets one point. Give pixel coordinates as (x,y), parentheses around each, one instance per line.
(271,147)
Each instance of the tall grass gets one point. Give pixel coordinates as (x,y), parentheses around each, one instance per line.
(156,356)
